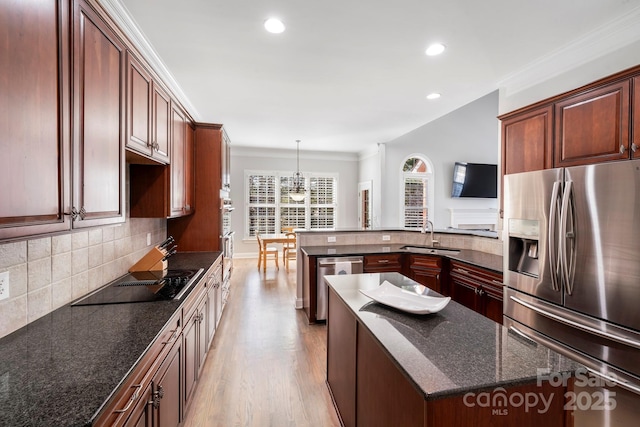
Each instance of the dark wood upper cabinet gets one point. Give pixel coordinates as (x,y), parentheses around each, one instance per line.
(166,191)
(593,127)
(527,141)
(98,132)
(148,114)
(160,124)
(635,120)
(139,87)
(34,118)
(177,167)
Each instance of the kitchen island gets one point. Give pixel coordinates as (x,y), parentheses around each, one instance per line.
(451,368)
(68,367)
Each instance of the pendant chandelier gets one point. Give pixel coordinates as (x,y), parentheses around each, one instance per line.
(298,193)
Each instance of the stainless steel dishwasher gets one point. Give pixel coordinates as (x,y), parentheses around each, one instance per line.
(328,267)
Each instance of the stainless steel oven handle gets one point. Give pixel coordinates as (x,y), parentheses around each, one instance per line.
(619,381)
(522,334)
(577,325)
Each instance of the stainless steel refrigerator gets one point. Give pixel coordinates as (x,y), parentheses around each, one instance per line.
(572,272)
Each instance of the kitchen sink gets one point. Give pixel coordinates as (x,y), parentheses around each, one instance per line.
(435,250)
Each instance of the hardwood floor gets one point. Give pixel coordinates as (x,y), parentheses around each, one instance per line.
(266,366)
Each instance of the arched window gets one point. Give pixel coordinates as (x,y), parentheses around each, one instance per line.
(417,191)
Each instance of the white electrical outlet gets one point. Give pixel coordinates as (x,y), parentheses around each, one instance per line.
(386,237)
(331,239)
(148,239)
(4,285)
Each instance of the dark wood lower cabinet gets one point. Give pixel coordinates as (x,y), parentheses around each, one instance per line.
(384,396)
(341,358)
(477,289)
(165,396)
(382,263)
(159,389)
(369,389)
(426,270)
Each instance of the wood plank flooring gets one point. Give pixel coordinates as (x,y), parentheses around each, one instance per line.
(266,366)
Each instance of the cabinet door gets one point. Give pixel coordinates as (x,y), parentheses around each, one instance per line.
(466,293)
(225,157)
(34,117)
(139,85)
(203,311)
(426,270)
(177,167)
(161,123)
(167,391)
(593,127)
(635,143)
(384,395)
(492,303)
(341,358)
(98,140)
(189,172)
(527,141)
(190,355)
(141,414)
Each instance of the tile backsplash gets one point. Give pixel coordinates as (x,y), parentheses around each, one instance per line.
(46,273)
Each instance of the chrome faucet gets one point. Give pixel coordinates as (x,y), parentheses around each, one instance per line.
(424,230)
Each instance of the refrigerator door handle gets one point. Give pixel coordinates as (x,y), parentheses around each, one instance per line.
(553,237)
(618,381)
(562,244)
(578,325)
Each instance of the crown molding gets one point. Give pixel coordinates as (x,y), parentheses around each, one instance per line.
(601,41)
(121,16)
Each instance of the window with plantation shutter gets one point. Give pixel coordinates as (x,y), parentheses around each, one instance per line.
(261,204)
(269,209)
(416,195)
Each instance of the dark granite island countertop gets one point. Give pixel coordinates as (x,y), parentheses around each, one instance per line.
(450,352)
(60,369)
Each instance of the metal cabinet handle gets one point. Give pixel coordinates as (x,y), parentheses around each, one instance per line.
(132,399)
(622,149)
(497,282)
(383,261)
(634,147)
(172,338)
(461,270)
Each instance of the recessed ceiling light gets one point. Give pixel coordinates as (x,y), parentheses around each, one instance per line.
(433,96)
(274,25)
(435,49)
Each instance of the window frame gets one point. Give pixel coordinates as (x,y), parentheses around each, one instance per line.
(427,177)
(278,205)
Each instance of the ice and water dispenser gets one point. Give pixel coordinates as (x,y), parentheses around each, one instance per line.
(524,240)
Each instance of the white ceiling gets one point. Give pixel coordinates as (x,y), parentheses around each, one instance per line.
(347,74)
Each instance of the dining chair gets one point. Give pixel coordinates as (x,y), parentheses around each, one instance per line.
(264,252)
(289,249)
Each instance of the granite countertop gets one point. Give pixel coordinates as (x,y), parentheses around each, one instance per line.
(60,369)
(448,230)
(450,352)
(480,259)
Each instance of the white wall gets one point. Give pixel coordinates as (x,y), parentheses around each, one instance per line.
(469,134)
(370,169)
(248,158)
(546,78)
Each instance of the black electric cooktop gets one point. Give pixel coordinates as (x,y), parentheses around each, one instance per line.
(143,287)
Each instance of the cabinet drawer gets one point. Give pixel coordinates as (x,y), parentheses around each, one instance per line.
(425,261)
(385,262)
(479,275)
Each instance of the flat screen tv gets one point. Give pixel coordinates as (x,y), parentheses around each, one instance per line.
(478,180)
